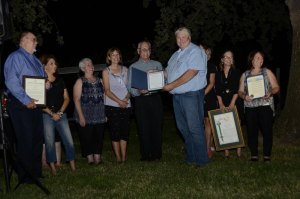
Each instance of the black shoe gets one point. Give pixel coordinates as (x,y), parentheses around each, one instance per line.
(254,159)
(267,159)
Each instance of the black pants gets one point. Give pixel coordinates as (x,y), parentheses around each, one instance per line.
(149,116)
(91,139)
(28,128)
(259,118)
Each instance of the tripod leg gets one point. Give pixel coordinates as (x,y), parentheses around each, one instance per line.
(33,178)
(6,170)
(4,145)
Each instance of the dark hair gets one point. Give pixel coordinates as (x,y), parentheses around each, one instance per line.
(251,57)
(45,59)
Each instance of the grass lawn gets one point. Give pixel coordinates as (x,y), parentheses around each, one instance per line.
(170,177)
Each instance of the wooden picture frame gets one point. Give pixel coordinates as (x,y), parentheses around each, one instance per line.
(226,129)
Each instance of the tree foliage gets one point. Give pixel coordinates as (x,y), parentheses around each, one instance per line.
(212,21)
(32,15)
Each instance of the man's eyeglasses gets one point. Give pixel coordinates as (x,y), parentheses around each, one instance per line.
(33,39)
(144,50)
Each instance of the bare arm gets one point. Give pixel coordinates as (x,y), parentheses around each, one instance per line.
(77,89)
(220,102)
(274,84)
(241,91)
(211,83)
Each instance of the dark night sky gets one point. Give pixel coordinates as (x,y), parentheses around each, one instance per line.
(91,27)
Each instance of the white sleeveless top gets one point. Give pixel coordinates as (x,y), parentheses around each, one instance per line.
(117,84)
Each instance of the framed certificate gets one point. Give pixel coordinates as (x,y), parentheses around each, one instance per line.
(156,80)
(256,86)
(147,80)
(35,87)
(226,129)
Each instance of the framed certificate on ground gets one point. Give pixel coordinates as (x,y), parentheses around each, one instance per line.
(35,87)
(256,86)
(147,80)
(226,129)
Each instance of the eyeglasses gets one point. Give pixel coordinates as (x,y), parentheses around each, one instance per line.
(33,39)
(144,50)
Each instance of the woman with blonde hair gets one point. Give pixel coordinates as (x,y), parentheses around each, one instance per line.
(117,102)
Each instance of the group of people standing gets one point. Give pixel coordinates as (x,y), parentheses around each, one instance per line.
(98,101)
(227,89)
(198,86)
(194,82)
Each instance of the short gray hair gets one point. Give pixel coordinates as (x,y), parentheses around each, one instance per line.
(184,30)
(82,62)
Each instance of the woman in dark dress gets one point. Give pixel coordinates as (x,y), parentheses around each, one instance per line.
(210,100)
(227,84)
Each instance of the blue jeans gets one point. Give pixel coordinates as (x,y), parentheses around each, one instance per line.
(62,126)
(189,114)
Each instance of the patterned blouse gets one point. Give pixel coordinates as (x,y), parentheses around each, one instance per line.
(92,102)
(259,101)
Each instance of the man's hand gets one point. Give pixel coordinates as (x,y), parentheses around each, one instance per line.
(31,105)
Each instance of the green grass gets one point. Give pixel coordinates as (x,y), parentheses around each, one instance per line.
(171,177)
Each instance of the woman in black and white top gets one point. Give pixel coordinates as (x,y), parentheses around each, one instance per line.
(259,111)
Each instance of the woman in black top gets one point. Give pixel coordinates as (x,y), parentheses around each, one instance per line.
(227,84)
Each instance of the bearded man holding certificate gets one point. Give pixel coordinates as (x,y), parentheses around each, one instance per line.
(257,87)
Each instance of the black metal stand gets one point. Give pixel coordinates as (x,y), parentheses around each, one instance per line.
(13,160)
(3,146)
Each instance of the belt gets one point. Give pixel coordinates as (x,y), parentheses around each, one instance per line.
(149,93)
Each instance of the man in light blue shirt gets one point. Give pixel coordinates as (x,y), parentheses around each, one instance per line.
(24,114)
(186,80)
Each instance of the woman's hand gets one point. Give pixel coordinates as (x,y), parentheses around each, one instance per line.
(230,107)
(82,121)
(268,95)
(222,107)
(55,116)
(123,103)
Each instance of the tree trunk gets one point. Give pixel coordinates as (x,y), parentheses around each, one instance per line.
(288,122)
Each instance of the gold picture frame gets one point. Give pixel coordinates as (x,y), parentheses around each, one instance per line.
(226,129)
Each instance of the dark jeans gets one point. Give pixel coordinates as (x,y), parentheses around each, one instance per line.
(149,116)
(259,118)
(28,127)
